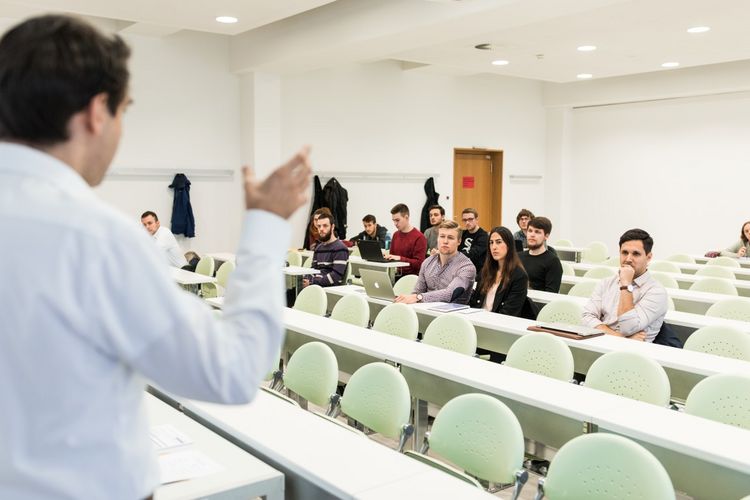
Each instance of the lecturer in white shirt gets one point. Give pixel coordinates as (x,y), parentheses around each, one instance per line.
(89,310)
(164,239)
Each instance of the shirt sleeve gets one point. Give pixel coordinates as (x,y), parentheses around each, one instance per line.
(651,307)
(553,278)
(421,285)
(418,254)
(464,278)
(333,276)
(478,249)
(732,251)
(592,311)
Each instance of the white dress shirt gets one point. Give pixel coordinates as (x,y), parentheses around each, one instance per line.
(168,243)
(89,313)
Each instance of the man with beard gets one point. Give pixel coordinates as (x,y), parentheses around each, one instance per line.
(542,266)
(331,255)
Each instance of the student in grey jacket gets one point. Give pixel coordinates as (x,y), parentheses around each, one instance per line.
(742,247)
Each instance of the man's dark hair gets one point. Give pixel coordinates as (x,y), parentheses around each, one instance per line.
(542,223)
(152,214)
(638,234)
(326,216)
(437,207)
(369,218)
(400,209)
(50,69)
(524,213)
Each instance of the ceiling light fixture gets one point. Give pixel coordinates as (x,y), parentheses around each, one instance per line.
(672,64)
(587,48)
(698,29)
(226,19)
(584,76)
(500,62)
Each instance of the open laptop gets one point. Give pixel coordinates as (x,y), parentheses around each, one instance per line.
(370,250)
(377,284)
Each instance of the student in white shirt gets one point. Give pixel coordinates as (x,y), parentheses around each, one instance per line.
(89,310)
(164,239)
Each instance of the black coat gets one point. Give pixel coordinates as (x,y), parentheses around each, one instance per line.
(511,299)
(317,202)
(183,221)
(335,197)
(432,199)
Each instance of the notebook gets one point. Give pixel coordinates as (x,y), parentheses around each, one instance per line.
(370,250)
(449,307)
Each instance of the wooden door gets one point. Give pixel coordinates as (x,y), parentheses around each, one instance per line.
(475,185)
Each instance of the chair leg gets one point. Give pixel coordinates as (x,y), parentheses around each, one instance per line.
(334,408)
(406,432)
(540,489)
(521,477)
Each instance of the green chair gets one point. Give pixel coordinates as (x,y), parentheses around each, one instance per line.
(596,252)
(206,266)
(294,258)
(355,251)
(405,285)
(670,304)
(352,309)
(664,266)
(222,278)
(452,332)
(682,258)
(561,311)
(719,340)
(307,262)
(313,373)
(724,261)
(666,280)
(714,285)
(738,309)
(346,278)
(583,289)
(312,299)
(568,269)
(377,396)
(479,434)
(716,272)
(399,320)
(543,354)
(600,465)
(723,397)
(630,375)
(599,273)
(563,243)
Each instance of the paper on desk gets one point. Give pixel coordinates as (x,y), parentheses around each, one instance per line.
(165,437)
(186,464)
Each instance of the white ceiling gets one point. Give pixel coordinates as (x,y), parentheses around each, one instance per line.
(538,37)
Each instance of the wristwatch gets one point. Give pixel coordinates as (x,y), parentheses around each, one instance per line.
(629,288)
(419,297)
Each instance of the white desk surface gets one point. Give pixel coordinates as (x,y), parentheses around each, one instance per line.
(299,270)
(184,277)
(217,302)
(741,273)
(702,259)
(342,463)
(242,473)
(355,259)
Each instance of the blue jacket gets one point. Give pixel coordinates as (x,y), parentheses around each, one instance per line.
(183,221)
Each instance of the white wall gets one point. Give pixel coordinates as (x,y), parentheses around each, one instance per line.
(379,118)
(186,115)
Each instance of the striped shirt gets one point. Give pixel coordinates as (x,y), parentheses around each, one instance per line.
(331,260)
(437,282)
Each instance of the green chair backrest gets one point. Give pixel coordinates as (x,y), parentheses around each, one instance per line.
(561,311)
(205,266)
(543,354)
(670,304)
(352,309)
(355,252)
(347,274)
(568,269)
(719,340)
(451,332)
(738,308)
(481,435)
(724,261)
(714,285)
(600,465)
(596,252)
(563,243)
(312,299)
(377,396)
(630,375)
(583,289)
(225,270)
(313,373)
(723,397)
(307,262)
(599,272)
(399,320)
(294,258)
(405,285)
(716,272)
(666,280)
(681,257)
(664,266)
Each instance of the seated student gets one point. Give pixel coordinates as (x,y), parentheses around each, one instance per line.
(437,215)
(373,231)
(632,303)
(522,219)
(312,231)
(542,265)
(442,274)
(408,243)
(740,249)
(330,257)
(164,239)
(503,284)
(474,238)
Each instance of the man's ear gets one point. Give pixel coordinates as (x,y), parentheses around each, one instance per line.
(96,113)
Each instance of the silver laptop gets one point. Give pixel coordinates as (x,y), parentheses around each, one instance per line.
(377,284)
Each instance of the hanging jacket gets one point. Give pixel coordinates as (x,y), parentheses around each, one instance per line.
(317,202)
(432,199)
(335,197)
(183,221)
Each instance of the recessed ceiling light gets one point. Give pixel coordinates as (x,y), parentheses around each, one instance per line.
(584,76)
(587,48)
(673,64)
(500,62)
(226,19)
(698,29)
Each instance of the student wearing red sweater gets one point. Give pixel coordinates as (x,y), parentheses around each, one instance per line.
(408,243)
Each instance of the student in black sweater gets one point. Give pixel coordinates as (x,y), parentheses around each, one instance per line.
(473,239)
(542,266)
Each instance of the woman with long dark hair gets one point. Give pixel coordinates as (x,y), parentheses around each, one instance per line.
(742,247)
(503,284)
